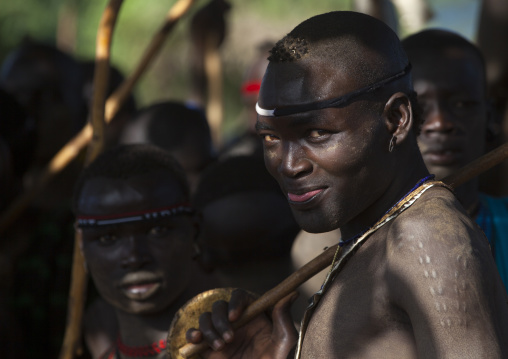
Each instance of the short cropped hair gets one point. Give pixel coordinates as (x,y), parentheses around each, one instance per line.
(177,127)
(126,161)
(341,38)
(427,43)
(169,124)
(355,43)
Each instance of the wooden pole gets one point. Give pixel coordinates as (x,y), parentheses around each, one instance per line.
(478,166)
(290,284)
(270,298)
(176,12)
(77,295)
(214,104)
(71,150)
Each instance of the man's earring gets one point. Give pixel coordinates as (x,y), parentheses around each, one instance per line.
(393,141)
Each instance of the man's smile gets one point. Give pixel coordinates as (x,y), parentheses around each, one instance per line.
(140,285)
(141,291)
(303,196)
(442,158)
(441,154)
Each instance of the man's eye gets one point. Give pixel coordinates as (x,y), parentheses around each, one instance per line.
(158,230)
(269,138)
(464,103)
(107,239)
(316,133)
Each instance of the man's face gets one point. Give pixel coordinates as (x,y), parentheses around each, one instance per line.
(139,267)
(451,92)
(330,163)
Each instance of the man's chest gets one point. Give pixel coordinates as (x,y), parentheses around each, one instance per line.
(355,317)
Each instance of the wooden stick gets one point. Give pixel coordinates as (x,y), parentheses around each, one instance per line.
(478,166)
(71,343)
(271,297)
(176,12)
(214,105)
(71,150)
(101,78)
(77,293)
(322,261)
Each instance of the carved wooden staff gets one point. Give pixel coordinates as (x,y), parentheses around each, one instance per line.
(114,102)
(290,284)
(100,84)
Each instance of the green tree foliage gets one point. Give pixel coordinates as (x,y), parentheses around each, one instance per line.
(248,21)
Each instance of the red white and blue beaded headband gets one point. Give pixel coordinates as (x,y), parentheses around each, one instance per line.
(120,218)
(333,102)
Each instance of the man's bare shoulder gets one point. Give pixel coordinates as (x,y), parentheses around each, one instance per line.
(438,220)
(437,232)
(440,271)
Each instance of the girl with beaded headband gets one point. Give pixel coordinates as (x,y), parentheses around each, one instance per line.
(138,239)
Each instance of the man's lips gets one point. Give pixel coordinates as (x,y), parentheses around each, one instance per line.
(140,285)
(442,157)
(304,197)
(141,291)
(442,150)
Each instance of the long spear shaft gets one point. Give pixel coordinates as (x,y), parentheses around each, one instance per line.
(179,9)
(100,84)
(71,150)
(323,260)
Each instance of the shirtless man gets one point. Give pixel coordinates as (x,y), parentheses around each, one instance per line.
(337,117)
(138,230)
(449,77)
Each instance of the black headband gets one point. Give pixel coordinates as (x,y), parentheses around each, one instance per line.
(333,102)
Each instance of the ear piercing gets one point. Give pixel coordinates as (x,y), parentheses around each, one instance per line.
(393,141)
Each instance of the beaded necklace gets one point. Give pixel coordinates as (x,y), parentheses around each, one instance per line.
(346,252)
(420,182)
(358,235)
(149,350)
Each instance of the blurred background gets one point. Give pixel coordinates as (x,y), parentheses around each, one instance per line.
(72,25)
(47,50)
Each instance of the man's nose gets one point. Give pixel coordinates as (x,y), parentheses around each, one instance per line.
(438,120)
(135,254)
(294,162)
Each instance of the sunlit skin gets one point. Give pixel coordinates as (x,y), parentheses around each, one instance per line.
(422,286)
(451,92)
(404,292)
(323,158)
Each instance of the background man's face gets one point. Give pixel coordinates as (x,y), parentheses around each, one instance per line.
(139,267)
(328,162)
(451,93)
